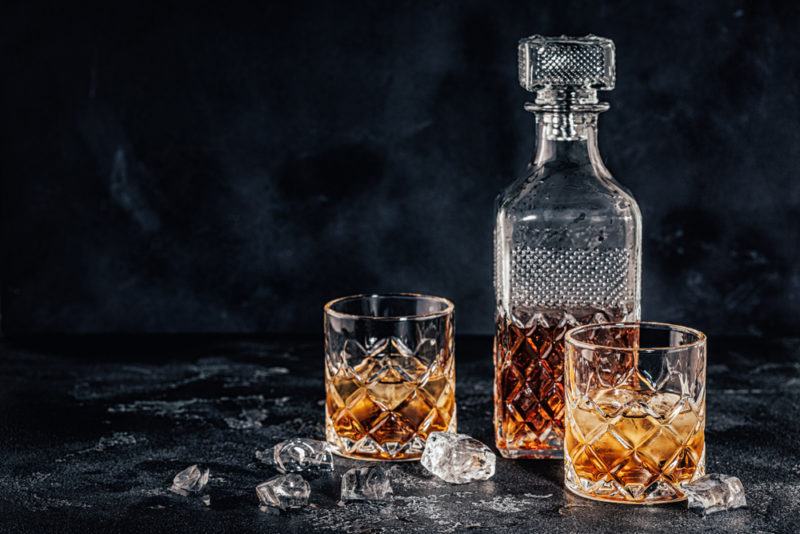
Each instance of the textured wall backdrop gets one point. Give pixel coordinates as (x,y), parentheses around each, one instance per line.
(227,170)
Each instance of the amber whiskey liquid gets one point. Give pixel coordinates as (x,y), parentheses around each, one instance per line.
(529,385)
(630,446)
(385,407)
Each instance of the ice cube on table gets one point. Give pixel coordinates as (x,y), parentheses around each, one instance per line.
(457,458)
(284,492)
(715,493)
(366,484)
(266,456)
(301,454)
(190,480)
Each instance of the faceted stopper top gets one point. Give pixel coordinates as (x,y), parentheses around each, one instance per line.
(553,63)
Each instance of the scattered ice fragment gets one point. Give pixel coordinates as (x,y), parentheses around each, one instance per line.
(190,480)
(283,492)
(715,493)
(206,500)
(366,484)
(457,458)
(266,456)
(299,454)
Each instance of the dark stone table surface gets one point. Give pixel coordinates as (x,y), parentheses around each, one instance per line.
(92,430)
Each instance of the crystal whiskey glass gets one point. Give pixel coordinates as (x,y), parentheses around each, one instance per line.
(389,374)
(635,411)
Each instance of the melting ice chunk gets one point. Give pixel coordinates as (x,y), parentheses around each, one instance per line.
(300,454)
(190,480)
(457,458)
(366,484)
(715,493)
(283,492)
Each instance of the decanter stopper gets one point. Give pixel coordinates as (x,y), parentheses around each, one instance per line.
(566,69)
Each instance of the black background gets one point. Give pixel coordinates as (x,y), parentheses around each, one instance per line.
(220,169)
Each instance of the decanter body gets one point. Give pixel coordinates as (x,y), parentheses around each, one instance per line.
(567,244)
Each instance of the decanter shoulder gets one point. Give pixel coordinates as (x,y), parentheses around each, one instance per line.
(564,189)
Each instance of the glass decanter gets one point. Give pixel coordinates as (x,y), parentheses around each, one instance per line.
(567,243)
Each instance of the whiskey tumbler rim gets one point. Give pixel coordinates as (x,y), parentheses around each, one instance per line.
(447,307)
(699,338)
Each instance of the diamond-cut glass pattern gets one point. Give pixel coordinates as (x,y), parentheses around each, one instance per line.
(529,372)
(631,436)
(384,397)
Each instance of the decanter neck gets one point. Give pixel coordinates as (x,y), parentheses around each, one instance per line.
(566,135)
